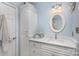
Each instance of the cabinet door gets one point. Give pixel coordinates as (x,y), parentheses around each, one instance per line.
(34,48)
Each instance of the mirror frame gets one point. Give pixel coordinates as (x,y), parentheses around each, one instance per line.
(62,26)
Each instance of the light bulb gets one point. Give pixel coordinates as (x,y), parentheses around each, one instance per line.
(57,9)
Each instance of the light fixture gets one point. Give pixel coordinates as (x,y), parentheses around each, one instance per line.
(57,8)
(72,6)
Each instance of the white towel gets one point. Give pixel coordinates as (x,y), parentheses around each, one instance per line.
(4,31)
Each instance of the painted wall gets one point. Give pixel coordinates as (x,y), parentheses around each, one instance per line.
(75,21)
(44,15)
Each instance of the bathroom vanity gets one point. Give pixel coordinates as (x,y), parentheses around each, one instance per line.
(52,47)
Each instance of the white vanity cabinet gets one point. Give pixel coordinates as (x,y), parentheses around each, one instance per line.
(34,48)
(44,49)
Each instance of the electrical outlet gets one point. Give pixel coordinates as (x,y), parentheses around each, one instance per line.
(77,30)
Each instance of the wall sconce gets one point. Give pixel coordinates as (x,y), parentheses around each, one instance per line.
(57,8)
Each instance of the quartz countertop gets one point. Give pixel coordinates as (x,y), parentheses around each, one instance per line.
(66,42)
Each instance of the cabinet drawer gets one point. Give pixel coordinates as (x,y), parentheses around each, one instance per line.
(41,49)
(41,52)
(48,53)
(52,52)
(62,50)
(34,44)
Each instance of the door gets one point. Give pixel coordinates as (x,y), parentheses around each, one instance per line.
(28,23)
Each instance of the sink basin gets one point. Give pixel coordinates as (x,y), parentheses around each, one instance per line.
(67,41)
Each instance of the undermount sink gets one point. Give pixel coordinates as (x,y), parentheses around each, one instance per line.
(63,41)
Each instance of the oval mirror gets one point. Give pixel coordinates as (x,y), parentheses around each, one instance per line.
(57,23)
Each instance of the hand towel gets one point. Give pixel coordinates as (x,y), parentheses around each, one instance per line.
(4,30)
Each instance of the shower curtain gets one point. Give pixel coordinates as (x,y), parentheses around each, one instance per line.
(4,33)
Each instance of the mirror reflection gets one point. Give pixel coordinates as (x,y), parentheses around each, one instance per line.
(57,22)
